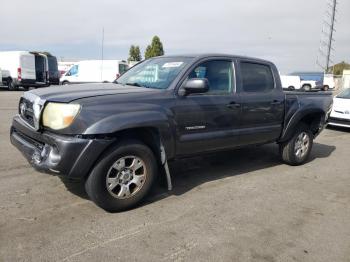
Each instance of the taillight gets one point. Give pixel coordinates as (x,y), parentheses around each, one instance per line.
(19,71)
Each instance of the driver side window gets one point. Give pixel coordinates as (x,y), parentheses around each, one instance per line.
(218,73)
(73,71)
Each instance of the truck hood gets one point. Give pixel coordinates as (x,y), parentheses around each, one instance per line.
(69,93)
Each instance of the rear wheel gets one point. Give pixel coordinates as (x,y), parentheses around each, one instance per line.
(123,177)
(325,88)
(291,88)
(297,150)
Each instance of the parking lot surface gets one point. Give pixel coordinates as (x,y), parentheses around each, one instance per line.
(242,205)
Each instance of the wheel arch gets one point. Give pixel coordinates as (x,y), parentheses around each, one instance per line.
(312,118)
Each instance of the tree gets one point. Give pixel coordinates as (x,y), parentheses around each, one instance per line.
(148,52)
(155,49)
(134,53)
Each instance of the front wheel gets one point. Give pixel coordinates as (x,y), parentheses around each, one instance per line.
(123,176)
(297,150)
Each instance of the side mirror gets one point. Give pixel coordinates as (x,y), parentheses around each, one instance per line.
(195,86)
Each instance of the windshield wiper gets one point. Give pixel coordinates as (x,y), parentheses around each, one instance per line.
(133,84)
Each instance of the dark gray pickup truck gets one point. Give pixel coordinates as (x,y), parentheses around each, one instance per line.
(116,137)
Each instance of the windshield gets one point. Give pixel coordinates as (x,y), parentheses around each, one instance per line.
(344,94)
(154,73)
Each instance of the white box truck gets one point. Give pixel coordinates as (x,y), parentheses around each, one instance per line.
(18,69)
(94,71)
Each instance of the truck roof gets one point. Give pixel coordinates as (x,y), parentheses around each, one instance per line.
(206,55)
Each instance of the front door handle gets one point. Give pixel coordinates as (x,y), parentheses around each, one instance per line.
(276,102)
(233,105)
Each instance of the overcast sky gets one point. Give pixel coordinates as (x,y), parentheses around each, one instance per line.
(286,32)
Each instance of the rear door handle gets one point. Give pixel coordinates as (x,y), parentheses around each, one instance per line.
(276,102)
(233,105)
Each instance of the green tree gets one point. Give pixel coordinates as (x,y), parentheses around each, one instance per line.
(134,53)
(155,48)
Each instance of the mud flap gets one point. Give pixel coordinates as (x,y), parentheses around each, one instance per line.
(166,167)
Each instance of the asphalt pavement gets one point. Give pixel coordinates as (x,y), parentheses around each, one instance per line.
(242,205)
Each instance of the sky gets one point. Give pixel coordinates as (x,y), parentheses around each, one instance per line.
(284,32)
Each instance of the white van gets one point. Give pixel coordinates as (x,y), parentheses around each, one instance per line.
(290,82)
(18,69)
(93,71)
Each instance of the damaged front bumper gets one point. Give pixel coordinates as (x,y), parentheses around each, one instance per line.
(69,156)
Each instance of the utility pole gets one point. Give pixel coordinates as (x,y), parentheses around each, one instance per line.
(102,47)
(325,50)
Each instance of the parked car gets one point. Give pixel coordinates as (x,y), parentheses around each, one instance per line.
(290,82)
(340,115)
(94,71)
(18,69)
(116,137)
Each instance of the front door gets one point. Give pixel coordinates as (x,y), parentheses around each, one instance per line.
(209,121)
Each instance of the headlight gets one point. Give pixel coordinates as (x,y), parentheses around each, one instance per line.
(58,115)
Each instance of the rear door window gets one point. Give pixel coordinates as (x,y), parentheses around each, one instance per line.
(256,77)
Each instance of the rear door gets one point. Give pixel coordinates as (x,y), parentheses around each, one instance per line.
(27,63)
(262,103)
(209,121)
(40,69)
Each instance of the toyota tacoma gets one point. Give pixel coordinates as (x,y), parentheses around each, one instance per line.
(117,137)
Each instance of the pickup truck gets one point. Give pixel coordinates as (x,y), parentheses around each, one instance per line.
(117,137)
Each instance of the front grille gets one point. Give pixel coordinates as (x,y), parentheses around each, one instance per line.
(26,111)
(37,144)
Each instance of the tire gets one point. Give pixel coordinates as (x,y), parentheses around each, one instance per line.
(325,88)
(65,83)
(306,87)
(291,88)
(11,86)
(110,172)
(289,150)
